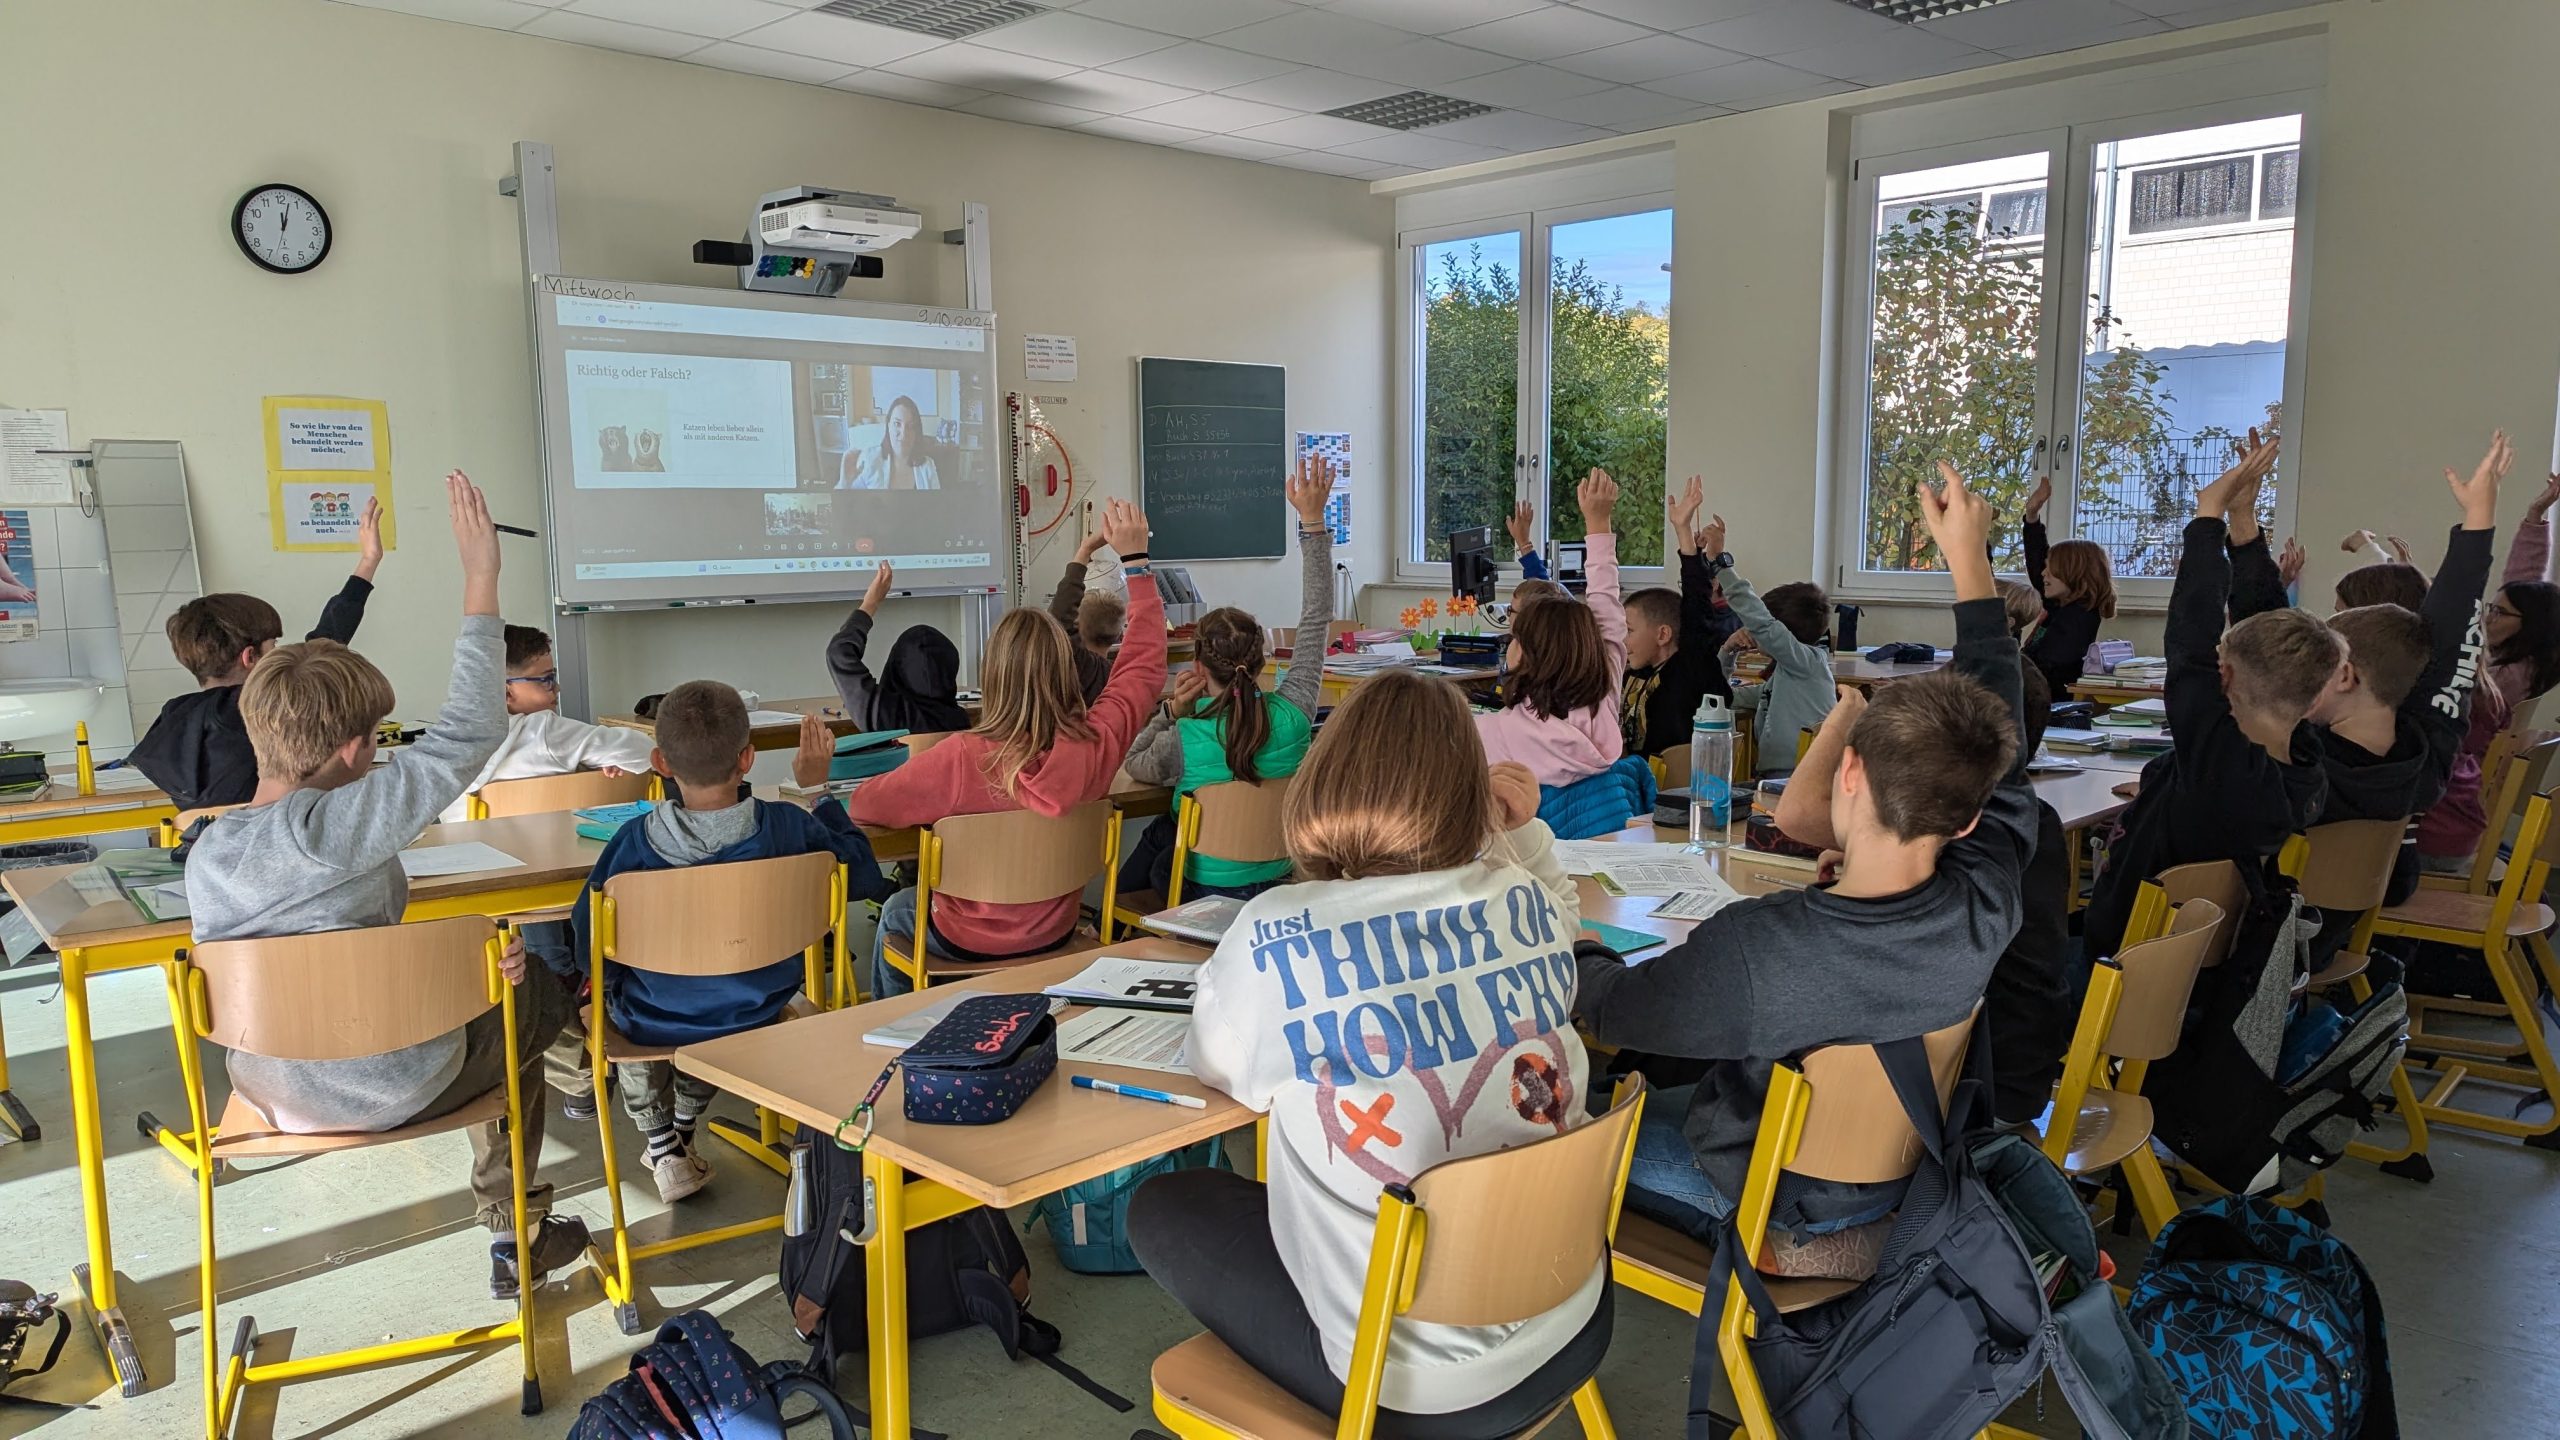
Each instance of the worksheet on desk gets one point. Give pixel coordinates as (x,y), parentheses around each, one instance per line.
(469,857)
(1138,1039)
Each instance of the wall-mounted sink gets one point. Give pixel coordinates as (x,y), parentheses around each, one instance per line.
(32,709)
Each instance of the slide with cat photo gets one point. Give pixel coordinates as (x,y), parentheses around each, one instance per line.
(681,422)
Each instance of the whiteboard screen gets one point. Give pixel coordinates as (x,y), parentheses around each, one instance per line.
(721,444)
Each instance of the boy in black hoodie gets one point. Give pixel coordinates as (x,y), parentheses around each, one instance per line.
(918,688)
(1672,640)
(2243,774)
(197,750)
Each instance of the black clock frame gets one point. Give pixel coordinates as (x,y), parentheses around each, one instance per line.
(328,228)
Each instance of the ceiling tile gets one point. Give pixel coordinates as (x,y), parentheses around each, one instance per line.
(1904,52)
(1637,61)
(978,67)
(1423,150)
(1078,40)
(728,55)
(2003,26)
(905,87)
(830,37)
(1026,112)
(1306,88)
(1102,91)
(1121,127)
(1523,86)
(1741,84)
(1793,27)
(1546,34)
(1217,114)
(1233,148)
(1194,18)
(1624,105)
(1684,117)
(2055,44)
(2215,14)
(1432,17)
(612,35)
(1195,66)
(716,19)
(1679,14)
(1326,164)
(1312,132)
(1516,133)
(1423,64)
(1315,37)
(497,14)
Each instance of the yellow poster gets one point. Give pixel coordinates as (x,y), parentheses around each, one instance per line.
(327,457)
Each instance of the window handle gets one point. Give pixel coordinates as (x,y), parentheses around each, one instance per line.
(2062,450)
(1519,462)
(1535,461)
(2036,466)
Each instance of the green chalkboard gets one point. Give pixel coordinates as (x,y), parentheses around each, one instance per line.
(1213,458)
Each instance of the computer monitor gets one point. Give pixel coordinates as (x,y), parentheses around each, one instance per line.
(1471,564)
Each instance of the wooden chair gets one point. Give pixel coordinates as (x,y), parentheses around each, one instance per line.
(1671,767)
(702,920)
(2504,928)
(173,830)
(1487,1240)
(341,995)
(918,744)
(1232,820)
(1011,857)
(2517,768)
(2157,900)
(2344,868)
(551,794)
(2136,1005)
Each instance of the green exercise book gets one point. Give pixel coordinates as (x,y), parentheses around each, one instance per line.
(1621,939)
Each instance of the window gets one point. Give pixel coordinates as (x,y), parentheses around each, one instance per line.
(2108,306)
(1505,410)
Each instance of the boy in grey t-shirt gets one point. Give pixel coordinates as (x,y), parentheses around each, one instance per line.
(317,848)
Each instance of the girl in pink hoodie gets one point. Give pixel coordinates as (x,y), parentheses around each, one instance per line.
(1560,705)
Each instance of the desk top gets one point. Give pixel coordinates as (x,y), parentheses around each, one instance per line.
(825,707)
(549,846)
(1852,668)
(2086,796)
(816,1070)
(62,796)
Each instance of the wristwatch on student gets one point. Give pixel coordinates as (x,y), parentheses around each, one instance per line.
(1721,560)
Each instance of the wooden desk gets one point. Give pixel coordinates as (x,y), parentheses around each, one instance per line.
(1753,872)
(816,1070)
(116,936)
(765,737)
(1852,668)
(1133,797)
(2111,693)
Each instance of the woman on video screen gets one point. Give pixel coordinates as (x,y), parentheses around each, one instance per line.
(899,462)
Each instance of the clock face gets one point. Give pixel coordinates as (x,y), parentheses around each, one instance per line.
(281,228)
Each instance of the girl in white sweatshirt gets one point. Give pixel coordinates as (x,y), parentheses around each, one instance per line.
(1405,1003)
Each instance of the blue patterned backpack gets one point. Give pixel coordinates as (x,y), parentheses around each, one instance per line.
(695,1383)
(2267,1325)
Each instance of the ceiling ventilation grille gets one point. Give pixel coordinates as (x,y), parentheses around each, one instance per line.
(942,19)
(1412,110)
(1912,12)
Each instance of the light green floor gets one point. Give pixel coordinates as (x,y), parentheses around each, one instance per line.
(347,1250)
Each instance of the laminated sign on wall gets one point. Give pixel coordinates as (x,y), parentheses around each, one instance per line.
(17,577)
(326,459)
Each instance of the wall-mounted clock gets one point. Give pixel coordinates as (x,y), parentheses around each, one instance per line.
(281,228)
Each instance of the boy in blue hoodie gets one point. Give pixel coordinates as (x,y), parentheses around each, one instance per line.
(704,751)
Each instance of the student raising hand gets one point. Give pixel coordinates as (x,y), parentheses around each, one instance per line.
(2032,513)
(1124,528)
(878,589)
(369,539)
(1685,507)
(2478,496)
(1598,497)
(1515,796)
(1522,516)
(1959,521)
(2237,489)
(2290,561)
(477,539)
(1309,486)
(817,752)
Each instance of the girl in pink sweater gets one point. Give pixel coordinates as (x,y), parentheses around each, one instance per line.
(1560,704)
(1036,747)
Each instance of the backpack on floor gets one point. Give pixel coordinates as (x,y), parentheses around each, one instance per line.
(968,1269)
(2215,1100)
(2267,1325)
(695,1383)
(1089,1223)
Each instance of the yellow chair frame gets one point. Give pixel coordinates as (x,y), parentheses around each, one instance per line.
(2518,762)
(763,1146)
(1394,1276)
(227,1377)
(1191,816)
(172,830)
(915,960)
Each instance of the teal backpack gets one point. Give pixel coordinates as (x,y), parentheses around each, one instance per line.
(873,752)
(1089,1223)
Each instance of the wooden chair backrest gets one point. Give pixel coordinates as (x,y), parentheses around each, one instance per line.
(345,994)
(918,744)
(1014,857)
(1514,1233)
(2545,848)
(721,919)
(185,818)
(551,794)
(2159,975)
(2216,880)
(2506,783)
(1241,822)
(1854,1130)
(2349,864)
(1675,767)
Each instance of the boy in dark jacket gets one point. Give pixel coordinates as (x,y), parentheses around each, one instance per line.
(1924,791)
(2243,773)
(1093,621)
(918,689)
(703,747)
(197,749)
(2033,999)
(1672,642)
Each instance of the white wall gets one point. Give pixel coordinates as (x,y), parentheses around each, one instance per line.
(133,127)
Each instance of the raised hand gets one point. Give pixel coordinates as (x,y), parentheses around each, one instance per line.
(1711,537)
(2037,499)
(1519,522)
(477,540)
(816,753)
(1598,497)
(2400,550)
(1515,795)
(1086,547)
(1959,521)
(2478,496)
(1124,528)
(878,589)
(369,539)
(2289,563)
(1686,505)
(2359,541)
(2236,490)
(2543,502)
(1309,485)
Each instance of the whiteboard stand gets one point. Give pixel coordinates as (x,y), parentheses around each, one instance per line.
(533,185)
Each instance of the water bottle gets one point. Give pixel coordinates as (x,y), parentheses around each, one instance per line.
(1711,775)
